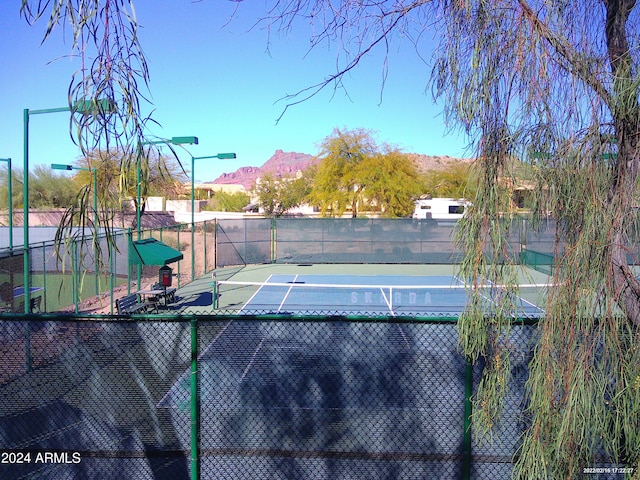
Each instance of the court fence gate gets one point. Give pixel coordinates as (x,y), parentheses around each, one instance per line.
(242,397)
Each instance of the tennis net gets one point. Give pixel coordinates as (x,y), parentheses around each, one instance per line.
(388,295)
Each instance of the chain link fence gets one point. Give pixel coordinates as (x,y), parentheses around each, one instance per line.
(283,397)
(64,276)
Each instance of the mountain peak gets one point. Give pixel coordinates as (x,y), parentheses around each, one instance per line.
(281,163)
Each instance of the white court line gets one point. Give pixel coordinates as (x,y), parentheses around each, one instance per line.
(288,292)
(388,300)
(376,286)
(244,283)
(252,361)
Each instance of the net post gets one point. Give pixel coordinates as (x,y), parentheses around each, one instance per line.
(214,284)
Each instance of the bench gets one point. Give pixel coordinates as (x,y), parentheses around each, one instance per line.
(130,304)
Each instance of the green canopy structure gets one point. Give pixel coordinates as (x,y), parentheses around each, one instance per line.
(152,252)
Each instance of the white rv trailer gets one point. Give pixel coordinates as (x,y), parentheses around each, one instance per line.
(440,209)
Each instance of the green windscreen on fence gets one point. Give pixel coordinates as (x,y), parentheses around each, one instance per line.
(286,398)
(11,281)
(341,240)
(362,240)
(243,241)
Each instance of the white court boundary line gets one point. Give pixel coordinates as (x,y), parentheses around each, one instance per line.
(375,286)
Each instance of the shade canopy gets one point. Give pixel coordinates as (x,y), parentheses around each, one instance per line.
(152,252)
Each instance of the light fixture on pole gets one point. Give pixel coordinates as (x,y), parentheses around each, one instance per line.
(167,141)
(221,156)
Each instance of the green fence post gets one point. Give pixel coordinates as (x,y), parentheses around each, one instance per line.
(204,241)
(195,407)
(215,243)
(273,240)
(44,275)
(179,261)
(193,251)
(214,292)
(76,280)
(112,268)
(466,439)
(27,324)
(129,245)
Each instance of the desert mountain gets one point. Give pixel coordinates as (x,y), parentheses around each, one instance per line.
(283,164)
(286,164)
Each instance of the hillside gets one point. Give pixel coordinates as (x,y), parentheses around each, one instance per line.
(286,164)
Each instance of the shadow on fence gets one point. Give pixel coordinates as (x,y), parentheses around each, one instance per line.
(280,397)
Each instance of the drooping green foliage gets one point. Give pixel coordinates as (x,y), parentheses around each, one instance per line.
(105,92)
(555,83)
(228,202)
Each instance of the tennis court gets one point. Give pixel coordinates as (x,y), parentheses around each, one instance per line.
(424,295)
(300,398)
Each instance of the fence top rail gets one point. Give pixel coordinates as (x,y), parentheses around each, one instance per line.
(230,316)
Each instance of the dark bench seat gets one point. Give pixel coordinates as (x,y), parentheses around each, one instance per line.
(130,304)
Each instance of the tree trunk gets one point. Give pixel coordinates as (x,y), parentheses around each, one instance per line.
(625,112)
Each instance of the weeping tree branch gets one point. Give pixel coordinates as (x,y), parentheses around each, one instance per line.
(374,24)
(109,86)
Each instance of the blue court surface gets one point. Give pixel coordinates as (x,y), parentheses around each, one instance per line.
(439,295)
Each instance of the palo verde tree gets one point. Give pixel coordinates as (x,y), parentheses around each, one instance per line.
(456,180)
(163,176)
(557,84)
(47,189)
(391,183)
(338,183)
(277,195)
(353,170)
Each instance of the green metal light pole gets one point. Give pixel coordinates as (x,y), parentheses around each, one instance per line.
(87,107)
(221,156)
(10,205)
(168,141)
(94,174)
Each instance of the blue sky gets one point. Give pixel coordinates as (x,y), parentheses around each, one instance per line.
(219,83)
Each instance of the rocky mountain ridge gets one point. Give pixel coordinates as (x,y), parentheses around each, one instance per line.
(287,164)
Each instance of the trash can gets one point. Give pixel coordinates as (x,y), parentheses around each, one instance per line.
(166,274)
